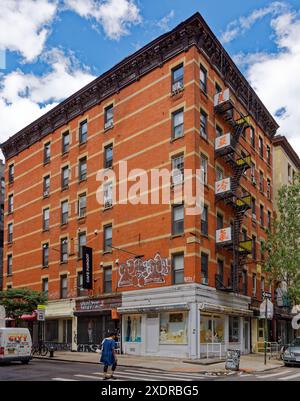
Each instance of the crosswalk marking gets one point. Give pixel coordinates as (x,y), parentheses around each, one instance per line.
(87,377)
(61,379)
(273,374)
(163,373)
(163,376)
(130,376)
(290,377)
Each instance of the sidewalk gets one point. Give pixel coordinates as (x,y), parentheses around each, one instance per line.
(249,363)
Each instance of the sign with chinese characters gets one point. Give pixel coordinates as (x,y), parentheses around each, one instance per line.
(223,186)
(223,235)
(223,141)
(87,268)
(221,97)
(139,273)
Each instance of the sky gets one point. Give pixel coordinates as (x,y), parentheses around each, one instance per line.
(51,48)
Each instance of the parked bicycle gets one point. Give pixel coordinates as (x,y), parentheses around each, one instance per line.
(39,350)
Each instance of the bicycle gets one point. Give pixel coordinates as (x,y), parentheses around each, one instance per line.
(39,349)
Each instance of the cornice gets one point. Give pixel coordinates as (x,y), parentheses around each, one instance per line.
(284,143)
(192,32)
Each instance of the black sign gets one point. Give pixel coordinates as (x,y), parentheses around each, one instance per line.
(87,268)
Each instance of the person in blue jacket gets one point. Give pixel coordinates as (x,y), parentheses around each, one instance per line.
(108,355)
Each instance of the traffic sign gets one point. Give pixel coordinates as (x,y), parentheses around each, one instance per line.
(266,294)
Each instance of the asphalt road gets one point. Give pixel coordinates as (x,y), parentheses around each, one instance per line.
(39,370)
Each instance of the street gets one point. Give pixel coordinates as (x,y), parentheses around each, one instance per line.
(39,370)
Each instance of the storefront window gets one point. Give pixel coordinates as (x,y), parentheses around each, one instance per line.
(51,330)
(234,329)
(133,329)
(211,329)
(173,328)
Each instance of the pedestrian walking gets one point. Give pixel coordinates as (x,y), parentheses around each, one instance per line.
(108,355)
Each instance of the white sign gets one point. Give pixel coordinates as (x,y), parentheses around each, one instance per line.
(223,186)
(223,235)
(270,310)
(223,141)
(2,316)
(221,97)
(41,313)
(296,322)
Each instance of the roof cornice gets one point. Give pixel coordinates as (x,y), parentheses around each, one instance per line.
(291,153)
(192,32)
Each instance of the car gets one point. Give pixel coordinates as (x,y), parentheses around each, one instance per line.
(291,355)
(15,345)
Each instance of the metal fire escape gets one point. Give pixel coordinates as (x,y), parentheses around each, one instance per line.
(230,192)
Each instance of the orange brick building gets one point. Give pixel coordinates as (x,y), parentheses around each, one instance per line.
(199,291)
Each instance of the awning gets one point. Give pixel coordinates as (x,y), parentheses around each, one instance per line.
(29,318)
(154,308)
(205,307)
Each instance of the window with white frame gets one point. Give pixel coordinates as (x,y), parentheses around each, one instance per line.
(178,169)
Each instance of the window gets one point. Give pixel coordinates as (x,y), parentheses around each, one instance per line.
(80,289)
(219,131)
(254,285)
(2,186)
(133,329)
(178,220)
(108,239)
(269,194)
(220,221)
(108,156)
(81,243)
(234,329)
(268,154)
(262,250)
(65,175)
(261,181)
(244,232)
(269,220)
(108,195)
(10,203)
(82,205)
(178,169)
(203,124)
(262,215)
(45,255)
(177,78)
(63,287)
(219,174)
(83,131)
(204,268)
(64,212)
(253,247)
(290,177)
(82,169)
(9,265)
(178,268)
(178,124)
(65,142)
(252,137)
(64,250)
(203,79)
(107,275)
(47,152)
(253,203)
(261,147)
(46,219)
(204,164)
(109,117)
(11,173)
(253,177)
(220,270)
(173,328)
(10,233)
(204,221)
(46,186)
(262,284)
(45,286)
(218,88)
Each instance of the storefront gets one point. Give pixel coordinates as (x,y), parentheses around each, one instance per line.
(187,321)
(95,317)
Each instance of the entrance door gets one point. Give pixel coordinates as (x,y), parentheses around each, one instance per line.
(246,337)
(152,335)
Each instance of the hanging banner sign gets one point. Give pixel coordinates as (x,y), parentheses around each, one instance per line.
(87,268)
(296,322)
(223,235)
(223,186)
(222,97)
(223,141)
(270,310)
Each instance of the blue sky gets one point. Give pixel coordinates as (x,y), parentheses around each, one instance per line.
(69,42)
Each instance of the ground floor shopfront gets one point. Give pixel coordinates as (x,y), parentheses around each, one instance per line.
(188,321)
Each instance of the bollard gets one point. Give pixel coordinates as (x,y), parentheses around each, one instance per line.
(52,352)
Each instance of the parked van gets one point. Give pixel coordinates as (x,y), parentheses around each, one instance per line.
(15,345)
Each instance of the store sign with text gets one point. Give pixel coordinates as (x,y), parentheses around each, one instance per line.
(87,268)
(223,235)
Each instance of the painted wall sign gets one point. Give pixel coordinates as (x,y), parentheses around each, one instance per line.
(223,186)
(222,97)
(223,235)
(87,268)
(139,273)
(223,141)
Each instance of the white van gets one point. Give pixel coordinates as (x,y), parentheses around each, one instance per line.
(15,345)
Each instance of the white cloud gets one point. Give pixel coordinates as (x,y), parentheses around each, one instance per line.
(163,24)
(25,97)
(25,25)
(115,16)
(276,76)
(242,24)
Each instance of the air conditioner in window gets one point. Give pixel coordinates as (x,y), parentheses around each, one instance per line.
(46,194)
(109,124)
(177,88)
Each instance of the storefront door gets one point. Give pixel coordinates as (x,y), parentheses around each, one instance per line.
(152,334)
